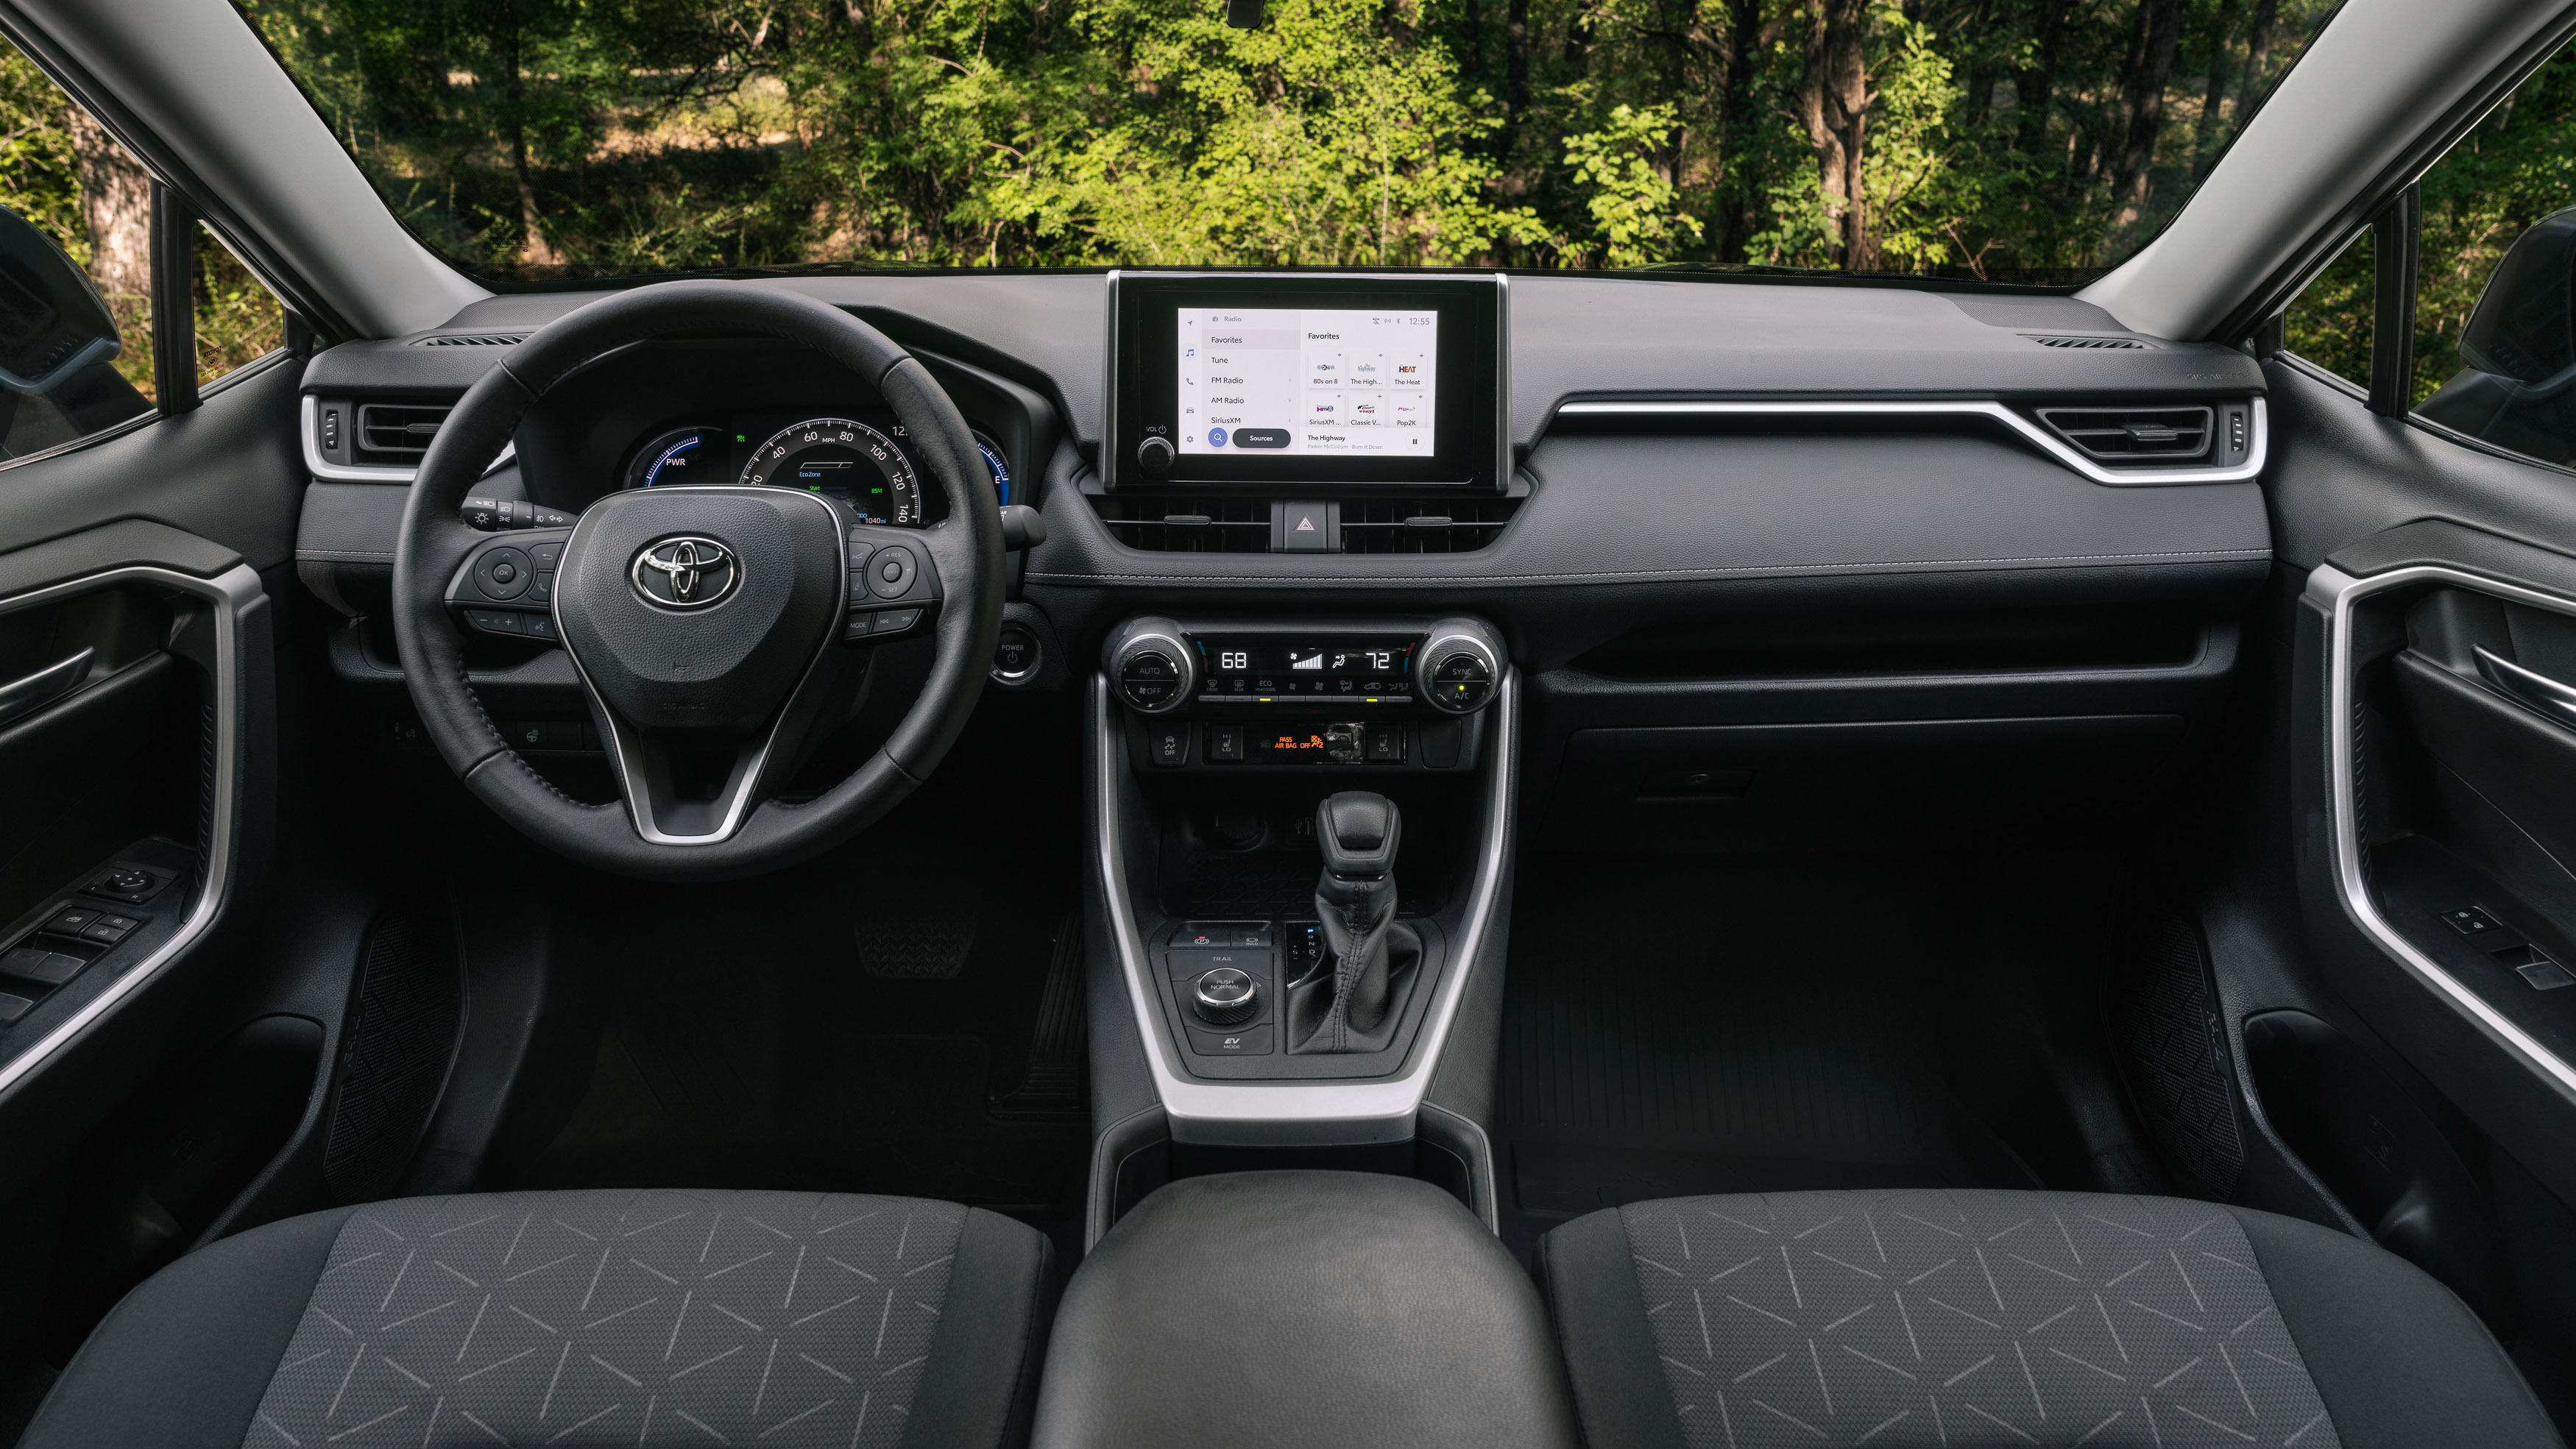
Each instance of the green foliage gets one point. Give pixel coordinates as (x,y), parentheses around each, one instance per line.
(1632,203)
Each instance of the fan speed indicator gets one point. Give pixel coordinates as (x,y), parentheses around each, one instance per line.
(845,459)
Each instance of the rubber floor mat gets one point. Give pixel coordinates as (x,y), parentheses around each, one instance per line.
(1706,1024)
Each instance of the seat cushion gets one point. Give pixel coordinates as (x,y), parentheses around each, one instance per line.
(579,1318)
(1966,1318)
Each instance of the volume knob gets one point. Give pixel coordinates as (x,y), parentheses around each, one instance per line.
(1226,996)
(1155,455)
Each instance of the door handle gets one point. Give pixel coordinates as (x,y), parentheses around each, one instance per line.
(26,696)
(2542,693)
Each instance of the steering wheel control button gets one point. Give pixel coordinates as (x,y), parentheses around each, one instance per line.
(493,621)
(1226,996)
(895,621)
(546,555)
(891,571)
(688,572)
(1250,1041)
(1169,745)
(503,573)
(541,590)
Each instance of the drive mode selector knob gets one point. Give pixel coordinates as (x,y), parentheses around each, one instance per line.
(1152,666)
(1226,996)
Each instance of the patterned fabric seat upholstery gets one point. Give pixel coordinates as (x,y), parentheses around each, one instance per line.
(578,1318)
(1970,1319)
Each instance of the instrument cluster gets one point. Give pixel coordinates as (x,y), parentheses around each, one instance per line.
(859,460)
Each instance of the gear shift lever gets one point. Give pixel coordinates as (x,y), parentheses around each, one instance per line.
(1355,901)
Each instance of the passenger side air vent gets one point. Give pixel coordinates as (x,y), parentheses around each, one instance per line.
(2091,344)
(1423,525)
(2133,436)
(1188,525)
(473,339)
(400,429)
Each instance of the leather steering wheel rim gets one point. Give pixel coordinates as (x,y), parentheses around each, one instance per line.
(965,551)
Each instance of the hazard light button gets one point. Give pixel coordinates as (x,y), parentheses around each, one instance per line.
(1306,527)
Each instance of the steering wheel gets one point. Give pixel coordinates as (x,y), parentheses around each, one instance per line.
(707,624)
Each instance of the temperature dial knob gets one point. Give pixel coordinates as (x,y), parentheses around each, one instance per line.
(1226,996)
(1152,667)
(1461,663)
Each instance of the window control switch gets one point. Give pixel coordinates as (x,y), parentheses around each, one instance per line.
(2468,920)
(13,1007)
(45,968)
(71,922)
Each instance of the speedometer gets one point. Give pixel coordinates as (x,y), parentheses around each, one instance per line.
(846,459)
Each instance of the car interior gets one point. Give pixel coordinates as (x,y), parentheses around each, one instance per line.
(1317,856)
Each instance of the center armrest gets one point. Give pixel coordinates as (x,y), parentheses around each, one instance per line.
(1302,1308)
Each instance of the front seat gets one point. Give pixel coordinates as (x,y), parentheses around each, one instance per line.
(1974,1319)
(579,1318)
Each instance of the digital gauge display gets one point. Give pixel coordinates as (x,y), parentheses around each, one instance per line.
(845,459)
(1278,669)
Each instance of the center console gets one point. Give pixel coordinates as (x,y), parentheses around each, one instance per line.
(1303,827)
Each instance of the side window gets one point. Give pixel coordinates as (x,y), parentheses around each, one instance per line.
(90,248)
(2494,336)
(2330,323)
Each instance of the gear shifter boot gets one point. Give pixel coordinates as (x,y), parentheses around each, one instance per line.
(1355,901)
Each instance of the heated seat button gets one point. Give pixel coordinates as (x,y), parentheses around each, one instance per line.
(1225,744)
(1386,744)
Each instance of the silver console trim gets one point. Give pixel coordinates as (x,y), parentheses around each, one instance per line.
(229,592)
(2031,432)
(2336,592)
(1380,1109)
(310,421)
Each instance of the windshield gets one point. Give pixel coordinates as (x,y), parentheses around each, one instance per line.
(2036,141)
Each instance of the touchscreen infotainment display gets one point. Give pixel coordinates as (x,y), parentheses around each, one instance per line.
(1308,380)
(1288,381)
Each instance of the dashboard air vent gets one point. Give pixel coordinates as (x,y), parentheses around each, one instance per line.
(1423,525)
(399,428)
(473,339)
(1188,525)
(2133,436)
(2091,344)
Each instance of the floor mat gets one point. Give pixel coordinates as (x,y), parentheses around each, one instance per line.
(1683,1025)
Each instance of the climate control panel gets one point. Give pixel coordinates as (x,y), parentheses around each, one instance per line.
(1371,694)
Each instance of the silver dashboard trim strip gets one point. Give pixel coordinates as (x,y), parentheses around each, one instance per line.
(229,592)
(2031,432)
(1299,1112)
(2336,592)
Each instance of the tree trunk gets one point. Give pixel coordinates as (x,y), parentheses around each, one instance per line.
(1735,129)
(2032,88)
(2258,57)
(1834,101)
(1515,70)
(2205,139)
(534,250)
(2159,27)
(116,204)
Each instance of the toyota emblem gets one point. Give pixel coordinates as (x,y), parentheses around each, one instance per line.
(685,573)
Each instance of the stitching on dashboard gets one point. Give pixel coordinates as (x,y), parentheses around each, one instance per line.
(1398,580)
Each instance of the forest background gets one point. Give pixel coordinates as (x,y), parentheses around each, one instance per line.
(2033,141)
